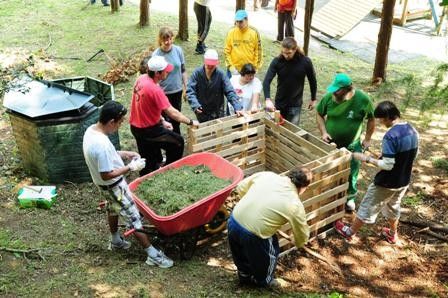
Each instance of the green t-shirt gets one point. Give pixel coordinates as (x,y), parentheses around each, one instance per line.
(344,120)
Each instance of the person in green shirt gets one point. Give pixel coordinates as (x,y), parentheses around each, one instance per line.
(340,117)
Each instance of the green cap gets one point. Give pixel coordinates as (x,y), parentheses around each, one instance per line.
(341,80)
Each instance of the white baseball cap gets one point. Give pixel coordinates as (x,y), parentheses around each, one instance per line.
(211,57)
(158,63)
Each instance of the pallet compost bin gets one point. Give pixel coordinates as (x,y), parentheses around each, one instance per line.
(259,142)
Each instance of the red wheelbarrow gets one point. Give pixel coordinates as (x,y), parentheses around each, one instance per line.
(186,224)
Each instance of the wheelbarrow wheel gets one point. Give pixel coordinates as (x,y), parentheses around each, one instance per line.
(187,244)
(218,222)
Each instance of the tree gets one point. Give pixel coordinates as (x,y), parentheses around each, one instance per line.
(309,8)
(384,36)
(183,19)
(240,4)
(114,6)
(144,12)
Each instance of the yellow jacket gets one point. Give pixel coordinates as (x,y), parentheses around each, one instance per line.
(243,46)
(268,201)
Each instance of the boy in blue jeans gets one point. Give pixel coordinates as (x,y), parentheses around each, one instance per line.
(384,194)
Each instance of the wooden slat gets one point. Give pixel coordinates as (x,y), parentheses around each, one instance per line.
(325,195)
(298,140)
(327,221)
(326,181)
(228,138)
(317,212)
(226,122)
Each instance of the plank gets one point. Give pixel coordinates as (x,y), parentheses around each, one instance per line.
(325,195)
(338,17)
(228,138)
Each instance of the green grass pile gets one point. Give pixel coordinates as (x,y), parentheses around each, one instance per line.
(171,191)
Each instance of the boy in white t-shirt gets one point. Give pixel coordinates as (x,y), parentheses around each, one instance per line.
(107,169)
(248,88)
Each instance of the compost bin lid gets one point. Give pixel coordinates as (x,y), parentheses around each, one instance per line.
(38,98)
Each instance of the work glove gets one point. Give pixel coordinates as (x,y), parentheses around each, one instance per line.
(137,164)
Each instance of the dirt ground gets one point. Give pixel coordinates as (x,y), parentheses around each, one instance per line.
(73,233)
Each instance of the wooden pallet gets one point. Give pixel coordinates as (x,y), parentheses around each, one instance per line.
(257,143)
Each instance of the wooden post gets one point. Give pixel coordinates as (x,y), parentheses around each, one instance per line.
(384,36)
(309,8)
(144,13)
(240,4)
(404,13)
(183,20)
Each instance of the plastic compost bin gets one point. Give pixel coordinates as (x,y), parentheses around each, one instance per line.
(200,212)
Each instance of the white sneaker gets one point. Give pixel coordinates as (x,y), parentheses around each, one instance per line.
(123,244)
(160,260)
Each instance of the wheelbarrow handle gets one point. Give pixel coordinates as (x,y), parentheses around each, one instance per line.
(129,232)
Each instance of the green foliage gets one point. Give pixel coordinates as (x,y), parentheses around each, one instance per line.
(6,240)
(437,95)
(413,201)
(171,191)
(335,295)
(440,163)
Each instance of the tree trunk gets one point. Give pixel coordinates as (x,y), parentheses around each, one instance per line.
(114,6)
(183,20)
(384,36)
(240,4)
(309,9)
(144,13)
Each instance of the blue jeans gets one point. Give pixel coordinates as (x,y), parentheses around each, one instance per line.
(255,258)
(292,114)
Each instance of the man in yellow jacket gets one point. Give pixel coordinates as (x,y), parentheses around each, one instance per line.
(243,45)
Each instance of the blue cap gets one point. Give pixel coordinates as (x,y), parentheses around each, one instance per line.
(240,15)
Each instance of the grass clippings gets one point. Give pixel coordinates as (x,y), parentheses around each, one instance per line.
(171,191)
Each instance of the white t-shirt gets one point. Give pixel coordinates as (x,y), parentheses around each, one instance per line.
(100,155)
(245,92)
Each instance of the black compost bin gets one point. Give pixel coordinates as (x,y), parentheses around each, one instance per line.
(49,121)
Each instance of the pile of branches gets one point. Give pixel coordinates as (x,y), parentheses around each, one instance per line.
(121,71)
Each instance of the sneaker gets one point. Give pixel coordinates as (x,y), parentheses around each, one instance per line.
(160,260)
(123,244)
(350,206)
(392,239)
(278,284)
(277,41)
(342,229)
(200,49)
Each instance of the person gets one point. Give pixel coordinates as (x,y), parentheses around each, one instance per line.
(286,13)
(207,87)
(291,67)
(384,194)
(175,82)
(242,45)
(151,131)
(268,201)
(105,3)
(340,117)
(107,169)
(248,88)
(204,19)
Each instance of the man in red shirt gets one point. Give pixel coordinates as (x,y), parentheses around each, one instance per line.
(148,126)
(286,14)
